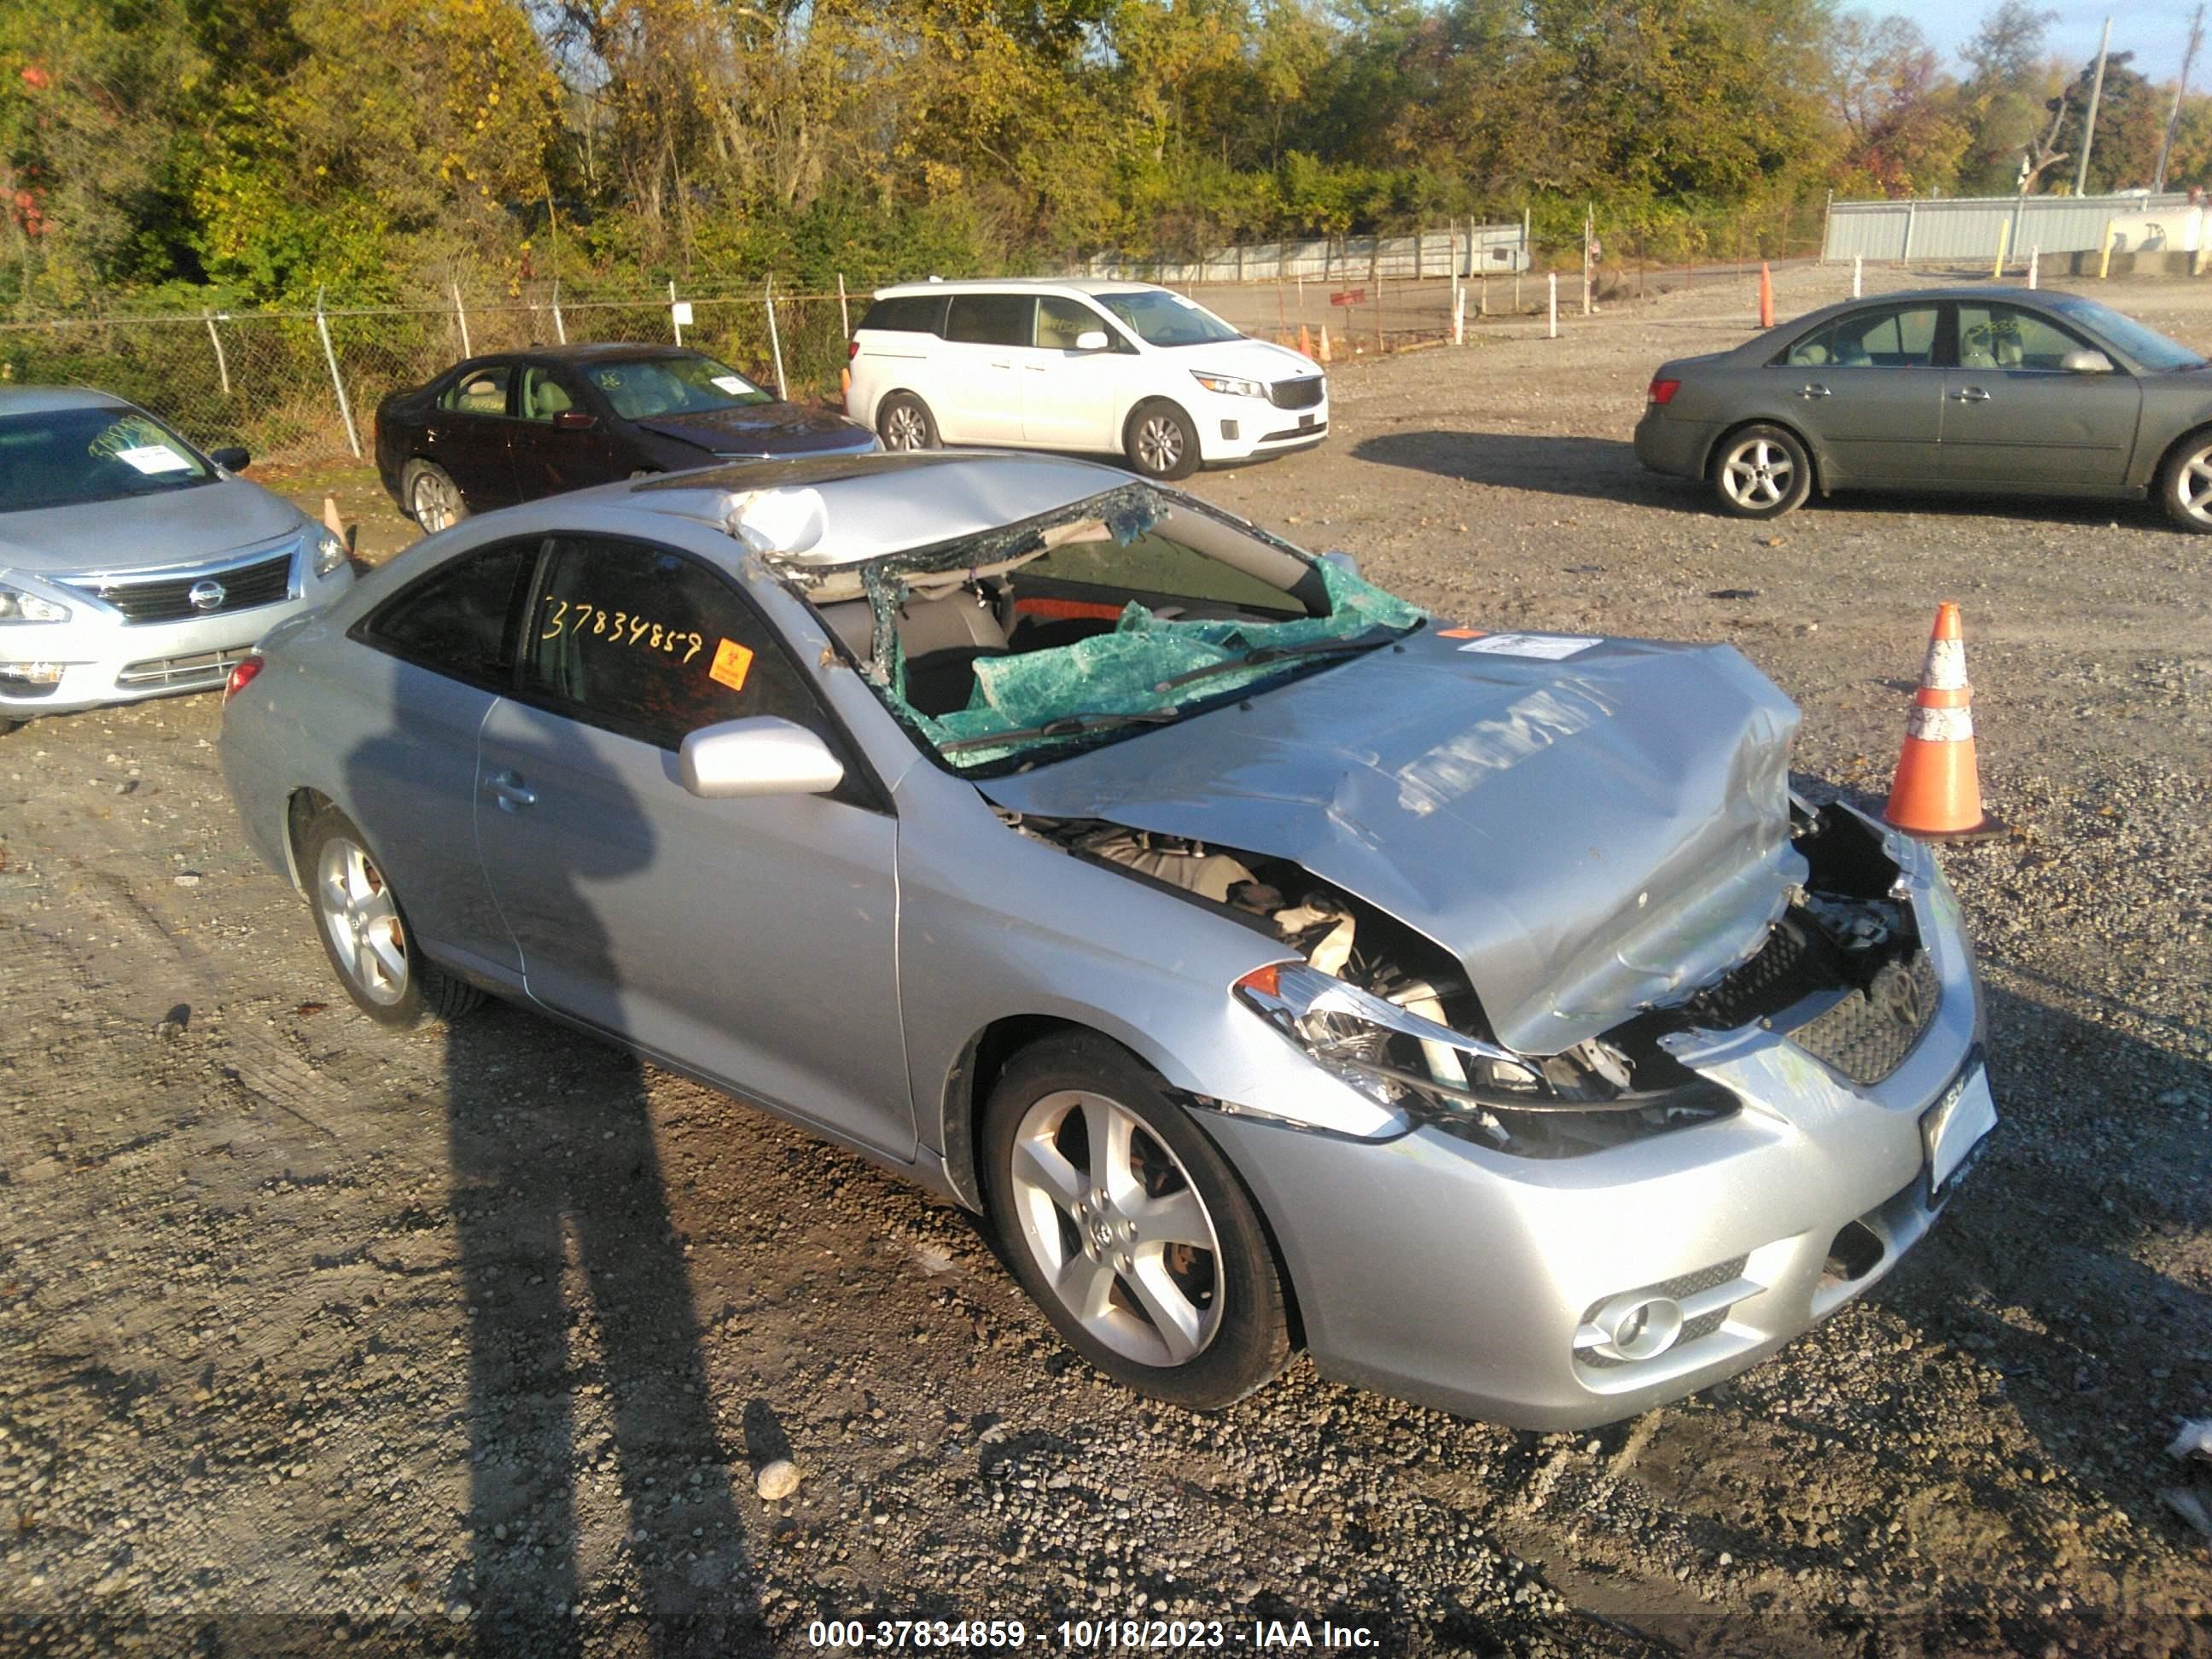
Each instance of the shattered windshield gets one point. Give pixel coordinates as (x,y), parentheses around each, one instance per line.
(1095,624)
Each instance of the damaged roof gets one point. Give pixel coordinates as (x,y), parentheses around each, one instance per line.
(864,507)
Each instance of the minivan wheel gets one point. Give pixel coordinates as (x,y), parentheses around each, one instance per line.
(433,500)
(365,932)
(1160,441)
(1761,472)
(904,422)
(2185,483)
(1128,1227)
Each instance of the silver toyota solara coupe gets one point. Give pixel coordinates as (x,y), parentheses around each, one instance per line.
(1976,391)
(130,564)
(1266,959)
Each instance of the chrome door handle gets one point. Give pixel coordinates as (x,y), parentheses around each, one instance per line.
(512,797)
(1972,394)
(1813,391)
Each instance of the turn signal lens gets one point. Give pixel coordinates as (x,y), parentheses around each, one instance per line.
(1267,981)
(242,676)
(852,350)
(1663,392)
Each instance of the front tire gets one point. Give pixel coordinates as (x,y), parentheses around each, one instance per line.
(1761,472)
(1128,1227)
(2185,483)
(904,422)
(432,498)
(1160,441)
(365,932)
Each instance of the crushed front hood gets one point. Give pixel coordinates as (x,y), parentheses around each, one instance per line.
(1589,836)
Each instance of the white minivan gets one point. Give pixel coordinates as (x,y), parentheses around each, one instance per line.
(1121,367)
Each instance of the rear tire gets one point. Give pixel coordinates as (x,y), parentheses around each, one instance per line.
(1761,471)
(365,934)
(904,422)
(429,495)
(1160,441)
(1128,1227)
(2185,483)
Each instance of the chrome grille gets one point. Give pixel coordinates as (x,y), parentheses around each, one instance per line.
(1301,393)
(181,673)
(168,597)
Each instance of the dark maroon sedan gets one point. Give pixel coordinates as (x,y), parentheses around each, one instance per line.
(513,427)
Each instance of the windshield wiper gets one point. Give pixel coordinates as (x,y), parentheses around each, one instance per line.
(1267,654)
(1067,726)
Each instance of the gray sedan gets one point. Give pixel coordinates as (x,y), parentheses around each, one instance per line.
(1982,391)
(130,564)
(1266,960)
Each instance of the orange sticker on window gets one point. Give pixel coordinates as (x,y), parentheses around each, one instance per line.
(732,662)
(1459,633)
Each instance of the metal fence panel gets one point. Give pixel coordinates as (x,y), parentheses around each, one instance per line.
(1430,253)
(1966,229)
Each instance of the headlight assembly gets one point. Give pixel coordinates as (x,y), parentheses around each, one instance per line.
(330,552)
(1399,1057)
(1229,386)
(18,606)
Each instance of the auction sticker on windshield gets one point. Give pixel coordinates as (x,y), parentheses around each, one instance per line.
(153,458)
(1957,1124)
(731,384)
(1550,646)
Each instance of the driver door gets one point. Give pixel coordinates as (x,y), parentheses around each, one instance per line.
(1070,397)
(551,450)
(2016,419)
(751,941)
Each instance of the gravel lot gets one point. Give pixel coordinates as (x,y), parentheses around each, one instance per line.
(315,1337)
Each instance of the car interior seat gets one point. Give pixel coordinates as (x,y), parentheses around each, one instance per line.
(941,639)
(2008,353)
(547,398)
(1974,348)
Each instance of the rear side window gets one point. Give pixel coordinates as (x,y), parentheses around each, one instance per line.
(907,313)
(650,645)
(480,392)
(999,319)
(1904,337)
(456,620)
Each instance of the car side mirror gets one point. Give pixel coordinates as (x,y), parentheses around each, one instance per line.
(232,460)
(575,420)
(1342,559)
(2086,362)
(761,756)
(1093,340)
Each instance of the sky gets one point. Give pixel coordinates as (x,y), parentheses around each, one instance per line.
(2156,31)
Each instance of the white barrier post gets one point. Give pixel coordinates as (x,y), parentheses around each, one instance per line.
(675,313)
(560,324)
(1858,261)
(1552,284)
(1459,315)
(2035,257)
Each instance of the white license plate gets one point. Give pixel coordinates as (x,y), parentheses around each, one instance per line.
(1957,1124)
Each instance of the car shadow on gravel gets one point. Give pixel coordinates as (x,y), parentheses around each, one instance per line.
(1595,469)
(586,1364)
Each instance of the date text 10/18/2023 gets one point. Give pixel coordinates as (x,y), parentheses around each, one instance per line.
(1093,1635)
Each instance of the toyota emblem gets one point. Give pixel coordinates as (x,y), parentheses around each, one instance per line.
(1895,992)
(205,595)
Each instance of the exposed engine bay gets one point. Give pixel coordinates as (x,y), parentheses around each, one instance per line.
(1841,972)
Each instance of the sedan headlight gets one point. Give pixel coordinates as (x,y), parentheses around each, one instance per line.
(330,552)
(17,607)
(1229,385)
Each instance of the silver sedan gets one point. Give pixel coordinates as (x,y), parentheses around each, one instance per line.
(1261,957)
(130,564)
(1976,391)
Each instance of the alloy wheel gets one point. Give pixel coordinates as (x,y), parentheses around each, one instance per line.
(2192,486)
(434,503)
(1758,473)
(1159,444)
(362,921)
(903,428)
(1117,1227)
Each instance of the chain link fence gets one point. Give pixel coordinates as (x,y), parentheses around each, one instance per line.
(302,385)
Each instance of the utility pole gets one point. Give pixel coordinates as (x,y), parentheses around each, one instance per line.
(2089,126)
(2180,87)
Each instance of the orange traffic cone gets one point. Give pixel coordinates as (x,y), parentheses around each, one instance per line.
(1937,795)
(1305,340)
(845,384)
(1765,297)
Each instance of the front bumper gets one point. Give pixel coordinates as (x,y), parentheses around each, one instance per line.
(1245,428)
(104,659)
(1667,443)
(1444,1272)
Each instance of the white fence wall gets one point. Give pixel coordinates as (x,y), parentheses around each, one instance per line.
(1471,249)
(1967,228)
